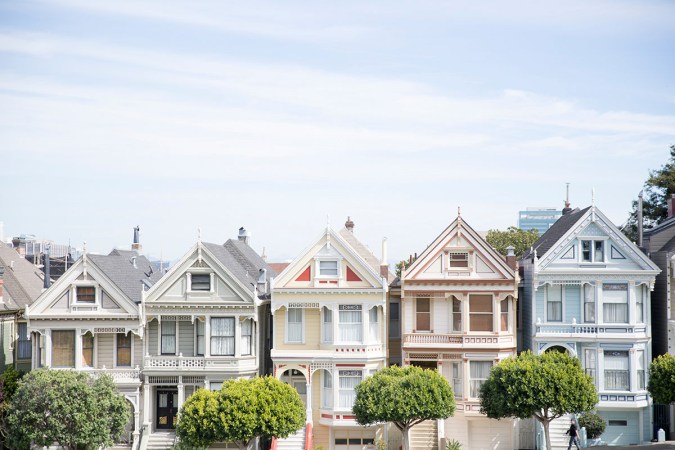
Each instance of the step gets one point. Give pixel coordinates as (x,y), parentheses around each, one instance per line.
(424,436)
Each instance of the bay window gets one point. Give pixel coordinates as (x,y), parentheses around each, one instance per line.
(374,325)
(640,297)
(480,313)
(457,379)
(615,302)
(616,371)
(294,325)
(222,336)
(456,315)
(641,370)
(123,350)
(589,303)
(423,314)
(479,373)
(351,323)
(63,348)
(88,350)
(168,337)
(327,334)
(247,337)
(504,307)
(348,381)
(554,303)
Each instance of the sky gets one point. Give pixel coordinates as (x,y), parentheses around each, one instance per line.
(196,118)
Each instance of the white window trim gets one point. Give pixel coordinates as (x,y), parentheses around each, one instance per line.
(302,341)
(115,350)
(431,315)
(86,283)
(469,379)
(593,239)
(241,337)
(195,327)
(470,254)
(188,286)
(317,267)
(562,302)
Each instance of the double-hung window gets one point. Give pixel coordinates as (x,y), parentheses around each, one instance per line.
(247,337)
(328,268)
(641,370)
(456,369)
(589,303)
(124,349)
(456,315)
(458,260)
(394,320)
(374,325)
(616,371)
(327,332)
(63,348)
(480,313)
(554,303)
(590,363)
(592,251)
(201,331)
(88,350)
(222,336)
(294,325)
(479,373)
(504,307)
(85,294)
(351,323)
(615,302)
(423,314)
(348,381)
(640,297)
(327,394)
(23,343)
(168,337)
(200,282)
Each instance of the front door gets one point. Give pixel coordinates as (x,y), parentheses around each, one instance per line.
(167,408)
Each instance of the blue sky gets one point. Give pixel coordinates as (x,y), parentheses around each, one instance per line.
(279,116)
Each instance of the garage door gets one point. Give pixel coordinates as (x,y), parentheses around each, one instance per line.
(486,434)
(622,428)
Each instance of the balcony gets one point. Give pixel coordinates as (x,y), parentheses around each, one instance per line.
(119,376)
(589,330)
(198,363)
(457,341)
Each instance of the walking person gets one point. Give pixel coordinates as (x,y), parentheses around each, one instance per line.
(574,435)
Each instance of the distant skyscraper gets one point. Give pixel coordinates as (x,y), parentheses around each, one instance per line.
(540,219)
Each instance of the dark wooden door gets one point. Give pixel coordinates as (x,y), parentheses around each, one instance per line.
(167,408)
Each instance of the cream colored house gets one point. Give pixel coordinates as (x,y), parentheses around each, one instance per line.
(458,316)
(329,315)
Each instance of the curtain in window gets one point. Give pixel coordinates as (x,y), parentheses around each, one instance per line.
(599,255)
(222,336)
(201,330)
(616,371)
(351,328)
(615,303)
(641,369)
(327,399)
(24,350)
(554,304)
(589,303)
(456,315)
(327,325)
(480,313)
(374,325)
(457,379)
(63,348)
(246,336)
(348,381)
(479,372)
(294,325)
(168,337)
(504,305)
(88,350)
(123,349)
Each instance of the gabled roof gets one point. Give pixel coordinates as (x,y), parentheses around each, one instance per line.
(23,281)
(119,268)
(247,276)
(363,251)
(557,231)
(248,258)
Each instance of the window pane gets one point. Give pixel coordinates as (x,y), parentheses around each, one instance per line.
(86,294)
(479,372)
(222,336)
(350,326)
(124,349)
(505,315)
(88,350)
(168,337)
(480,303)
(24,350)
(423,305)
(348,380)
(480,313)
(201,329)
(599,255)
(459,259)
(616,371)
(63,348)
(247,337)
(328,268)
(294,324)
(586,251)
(589,303)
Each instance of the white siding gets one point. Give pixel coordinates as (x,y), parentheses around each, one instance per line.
(440,316)
(186,338)
(151,336)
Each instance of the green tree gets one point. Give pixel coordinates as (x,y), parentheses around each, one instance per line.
(658,188)
(662,379)
(520,240)
(9,381)
(404,396)
(243,410)
(69,408)
(545,386)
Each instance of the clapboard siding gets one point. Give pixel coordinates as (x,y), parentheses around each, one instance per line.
(105,348)
(186,338)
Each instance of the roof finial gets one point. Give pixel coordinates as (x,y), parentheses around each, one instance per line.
(199,234)
(593,196)
(459,211)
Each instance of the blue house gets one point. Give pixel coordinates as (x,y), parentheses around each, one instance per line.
(586,290)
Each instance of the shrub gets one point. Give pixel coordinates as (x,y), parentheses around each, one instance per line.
(453,445)
(594,423)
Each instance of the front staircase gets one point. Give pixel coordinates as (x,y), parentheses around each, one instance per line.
(293,442)
(557,430)
(161,440)
(424,436)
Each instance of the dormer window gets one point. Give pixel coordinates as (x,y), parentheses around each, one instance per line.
(592,251)
(85,294)
(201,282)
(328,268)
(458,260)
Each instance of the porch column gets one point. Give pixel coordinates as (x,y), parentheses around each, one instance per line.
(146,403)
(48,347)
(309,402)
(365,318)
(137,416)
(181,392)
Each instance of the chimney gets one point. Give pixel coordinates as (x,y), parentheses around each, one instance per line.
(136,245)
(566,210)
(384,266)
(2,281)
(349,224)
(244,236)
(262,281)
(47,275)
(511,257)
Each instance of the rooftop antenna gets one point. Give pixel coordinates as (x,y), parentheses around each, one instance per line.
(199,234)
(567,187)
(593,197)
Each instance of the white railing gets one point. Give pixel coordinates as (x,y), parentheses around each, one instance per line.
(197,362)
(453,339)
(118,375)
(574,328)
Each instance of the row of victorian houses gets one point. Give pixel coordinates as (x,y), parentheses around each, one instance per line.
(336,314)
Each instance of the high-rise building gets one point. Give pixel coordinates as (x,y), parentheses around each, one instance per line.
(539,218)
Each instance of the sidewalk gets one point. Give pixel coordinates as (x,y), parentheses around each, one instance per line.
(655,446)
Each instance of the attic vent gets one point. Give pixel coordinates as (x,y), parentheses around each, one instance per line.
(200,263)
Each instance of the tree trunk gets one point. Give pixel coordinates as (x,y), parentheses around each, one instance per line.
(406,438)
(547,436)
